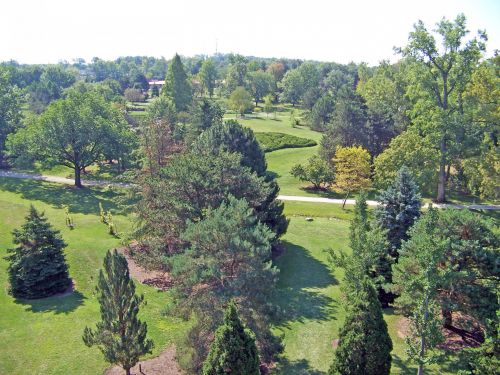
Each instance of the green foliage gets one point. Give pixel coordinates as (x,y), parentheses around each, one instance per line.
(292,86)
(268,104)
(155,91)
(217,267)
(400,208)
(272,141)
(413,151)
(240,100)
(321,112)
(120,335)
(37,267)
(233,349)
(208,76)
(177,87)
(232,137)
(364,343)
(439,77)
(194,182)
(203,115)
(74,132)
(261,84)
(316,171)
(10,110)
(68,218)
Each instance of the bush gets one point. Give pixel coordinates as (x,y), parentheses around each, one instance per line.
(272,141)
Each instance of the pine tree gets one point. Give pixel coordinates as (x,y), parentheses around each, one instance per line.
(37,265)
(364,342)
(177,87)
(233,350)
(120,335)
(399,209)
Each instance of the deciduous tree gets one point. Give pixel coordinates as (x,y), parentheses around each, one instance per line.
(352,170)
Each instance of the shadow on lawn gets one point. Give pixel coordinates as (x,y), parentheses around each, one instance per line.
(85,200)
(300,367)
(58,304)
(300,275)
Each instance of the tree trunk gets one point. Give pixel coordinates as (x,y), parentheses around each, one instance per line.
(447,317)
(345,200)
(441,195)
(127,371)
(78,180)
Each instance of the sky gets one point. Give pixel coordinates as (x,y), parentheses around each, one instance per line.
(48,31)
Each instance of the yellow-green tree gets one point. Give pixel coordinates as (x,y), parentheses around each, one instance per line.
(240,100)
(352,170)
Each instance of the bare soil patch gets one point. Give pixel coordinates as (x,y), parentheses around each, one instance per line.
(164,364)
(335,344)
(465,333)
(157,279)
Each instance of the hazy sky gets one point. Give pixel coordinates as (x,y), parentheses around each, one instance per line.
(42,31)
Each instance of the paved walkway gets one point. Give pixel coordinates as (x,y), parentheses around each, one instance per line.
(296,198)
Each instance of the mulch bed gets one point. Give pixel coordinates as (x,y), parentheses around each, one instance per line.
(164,364)
(157,279)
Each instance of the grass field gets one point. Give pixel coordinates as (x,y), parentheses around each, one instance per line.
(44,336)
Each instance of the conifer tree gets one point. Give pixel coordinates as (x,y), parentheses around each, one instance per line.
(120,335)
(37,265)
(177,87)
(364,342)
(399,209)
(233,350)
(369,246)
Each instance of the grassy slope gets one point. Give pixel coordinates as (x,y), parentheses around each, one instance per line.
(44,336)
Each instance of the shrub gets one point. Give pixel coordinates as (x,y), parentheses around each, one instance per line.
(272,141)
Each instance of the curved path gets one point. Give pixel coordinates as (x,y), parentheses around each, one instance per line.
(296,198)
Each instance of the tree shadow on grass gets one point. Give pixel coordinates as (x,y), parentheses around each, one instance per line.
(298,295)
(57,304)
(401,365)
(300,367)
(84,200)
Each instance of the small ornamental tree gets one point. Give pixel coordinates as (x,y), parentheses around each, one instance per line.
(364,342)
(37,266)
(233,349)
(317,171)
(120,335)
(352,170)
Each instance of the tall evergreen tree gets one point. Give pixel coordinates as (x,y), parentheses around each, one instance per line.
(364,342)
(177,87)
(120,335)
(232,137)
(37,266)
(218,267)
(369,246)
(399,209)
(233,349)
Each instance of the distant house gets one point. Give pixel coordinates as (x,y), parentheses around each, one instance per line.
(157,83)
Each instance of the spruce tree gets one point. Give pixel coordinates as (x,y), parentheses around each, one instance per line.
(120,335)
(369,246)
(37,265)
(364,342)
(177,86)
(399,209)
(233,350)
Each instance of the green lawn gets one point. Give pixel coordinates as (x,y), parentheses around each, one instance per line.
(309,292)
(44,336)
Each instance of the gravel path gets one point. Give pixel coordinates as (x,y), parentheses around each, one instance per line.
(296,198)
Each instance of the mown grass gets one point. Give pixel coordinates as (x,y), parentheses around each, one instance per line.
(44,336)
(272,141)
